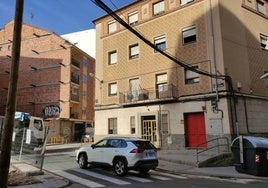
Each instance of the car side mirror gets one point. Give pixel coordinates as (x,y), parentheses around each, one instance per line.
(93,146)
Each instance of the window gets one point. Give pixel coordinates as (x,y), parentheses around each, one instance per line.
(111,26)
(134,86)
(183,2)
(112,126)
(112,57)
(164,124)
(160,42)
(134,51)
(189,34)
(161,86)
(264,41)
(260,6)
(84,78)
(85,62)
(158,7)
(132,125)
(191,77)
(75,90)
(112,89)
(133,18)
(38,124)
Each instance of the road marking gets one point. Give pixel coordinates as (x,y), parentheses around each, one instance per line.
(79,180)
(143,180)
(169,175)
(160,177)
(100,176)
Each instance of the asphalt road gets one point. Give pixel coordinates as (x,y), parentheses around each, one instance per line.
(64,164)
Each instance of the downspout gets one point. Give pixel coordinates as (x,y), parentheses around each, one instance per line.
(214,51)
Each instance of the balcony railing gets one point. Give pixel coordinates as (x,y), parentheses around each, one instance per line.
(75,97)
(73,115)
(75,78)
(155,94)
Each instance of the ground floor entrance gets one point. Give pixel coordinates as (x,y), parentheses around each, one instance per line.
(195,130)
(149,129)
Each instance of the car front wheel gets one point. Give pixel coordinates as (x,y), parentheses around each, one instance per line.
(120,167)
(82,161)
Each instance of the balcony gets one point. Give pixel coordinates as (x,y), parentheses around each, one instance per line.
(75,63)
(75,78)
(75,97)
(73,115)
(169,92)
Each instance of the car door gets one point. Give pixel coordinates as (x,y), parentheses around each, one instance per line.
(113,149)
(96,153)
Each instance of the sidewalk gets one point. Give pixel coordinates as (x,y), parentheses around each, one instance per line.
(173,161)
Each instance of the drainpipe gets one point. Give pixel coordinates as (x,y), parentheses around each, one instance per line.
(214,51)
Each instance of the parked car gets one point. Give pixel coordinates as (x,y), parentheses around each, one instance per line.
(88,137)
(120,153)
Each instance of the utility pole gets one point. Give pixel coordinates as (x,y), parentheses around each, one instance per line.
(6,142)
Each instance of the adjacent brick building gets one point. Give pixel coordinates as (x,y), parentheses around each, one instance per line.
(54,81)
(213,90)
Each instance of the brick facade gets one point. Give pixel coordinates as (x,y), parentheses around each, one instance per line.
(53,73)
(225,42)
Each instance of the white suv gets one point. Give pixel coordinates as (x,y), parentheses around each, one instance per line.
(120,153)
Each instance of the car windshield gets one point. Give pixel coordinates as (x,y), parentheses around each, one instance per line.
(144,144)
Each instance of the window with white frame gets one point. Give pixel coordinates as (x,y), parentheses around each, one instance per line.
(160,42)
(183,2)
(264,41)
(132,125)
(164,124)
(112,26)
(112,57)
(133,18)
(191,77)
(158,7)
(112,89)
(112,126)
(134,51)
(189,35)
(260,6)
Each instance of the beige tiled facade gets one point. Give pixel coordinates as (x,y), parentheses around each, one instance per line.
(53,80)
(153,97)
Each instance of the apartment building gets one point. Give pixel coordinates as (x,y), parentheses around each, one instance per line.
(54,81)
(209,88)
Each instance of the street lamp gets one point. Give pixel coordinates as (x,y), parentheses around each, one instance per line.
(93,76)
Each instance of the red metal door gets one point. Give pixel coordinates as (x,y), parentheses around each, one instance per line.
(195,129)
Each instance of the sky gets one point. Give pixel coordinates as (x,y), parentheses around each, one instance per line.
(59,16)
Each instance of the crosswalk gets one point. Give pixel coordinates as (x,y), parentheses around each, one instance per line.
(95,179)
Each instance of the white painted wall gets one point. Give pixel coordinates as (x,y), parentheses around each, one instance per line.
(86,40)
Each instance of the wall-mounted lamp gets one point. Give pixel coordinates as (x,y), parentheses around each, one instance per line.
(93,76)
(239,86)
